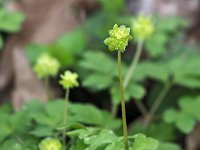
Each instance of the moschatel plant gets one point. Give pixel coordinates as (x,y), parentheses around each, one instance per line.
(46,67)
(93,138)
(118,40)
(86,127)
(68,80)
(142,29)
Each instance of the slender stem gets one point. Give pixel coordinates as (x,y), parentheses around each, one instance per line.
(47,88)
(18,139)
(128,76)
(130,72)
(65,114)
(141,107)
(158,102)
(160,98)
(133,64)
(125,131)
(114,109)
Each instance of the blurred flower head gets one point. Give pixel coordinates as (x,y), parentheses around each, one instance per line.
(142,28)
(46,65)
(118,39)
(69,80)
(50,144)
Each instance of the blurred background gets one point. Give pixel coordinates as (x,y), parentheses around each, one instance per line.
(73,31)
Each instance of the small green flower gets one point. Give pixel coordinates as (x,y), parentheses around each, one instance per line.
(142,28)
(46,65)
(119,37)
(50,144)
(69,80)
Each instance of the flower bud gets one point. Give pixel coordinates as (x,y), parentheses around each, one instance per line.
(69,80)
(142,28)
(46,65)
(50,144)
(119,37)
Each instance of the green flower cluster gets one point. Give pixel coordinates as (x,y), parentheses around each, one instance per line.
(69,80)
(119,37)
(142,27)
(46,65)
(50,144)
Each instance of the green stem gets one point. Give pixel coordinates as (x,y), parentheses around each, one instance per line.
(133,64)
(130,72)
(158,102)
(128,76)
(125,131)
(65,114)
(141,107)
(18,139)
(114,109)
(47,88)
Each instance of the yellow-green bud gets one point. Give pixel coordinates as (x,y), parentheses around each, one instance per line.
(119,37)
(50,144)
(69,80)
(142,28)
(46,65)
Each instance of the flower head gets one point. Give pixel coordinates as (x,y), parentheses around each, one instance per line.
(69,80)
(46,65)
(119,37)
(142,27)
(50,144)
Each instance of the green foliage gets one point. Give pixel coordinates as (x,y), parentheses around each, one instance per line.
(10,22)
(163,132)
(101,77)
(186,117)
(49,124)
(145,143)
(34,51)
(90,128)
(184,75)
(168,146)
(65,49)
(18,127)
(156,45)
(78,144)
(12,145)
(166,131)
(105,76)
(6,108)
(111,7)
(14,124)
(166,32)
(77,114)
(134,90)
(103,139)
